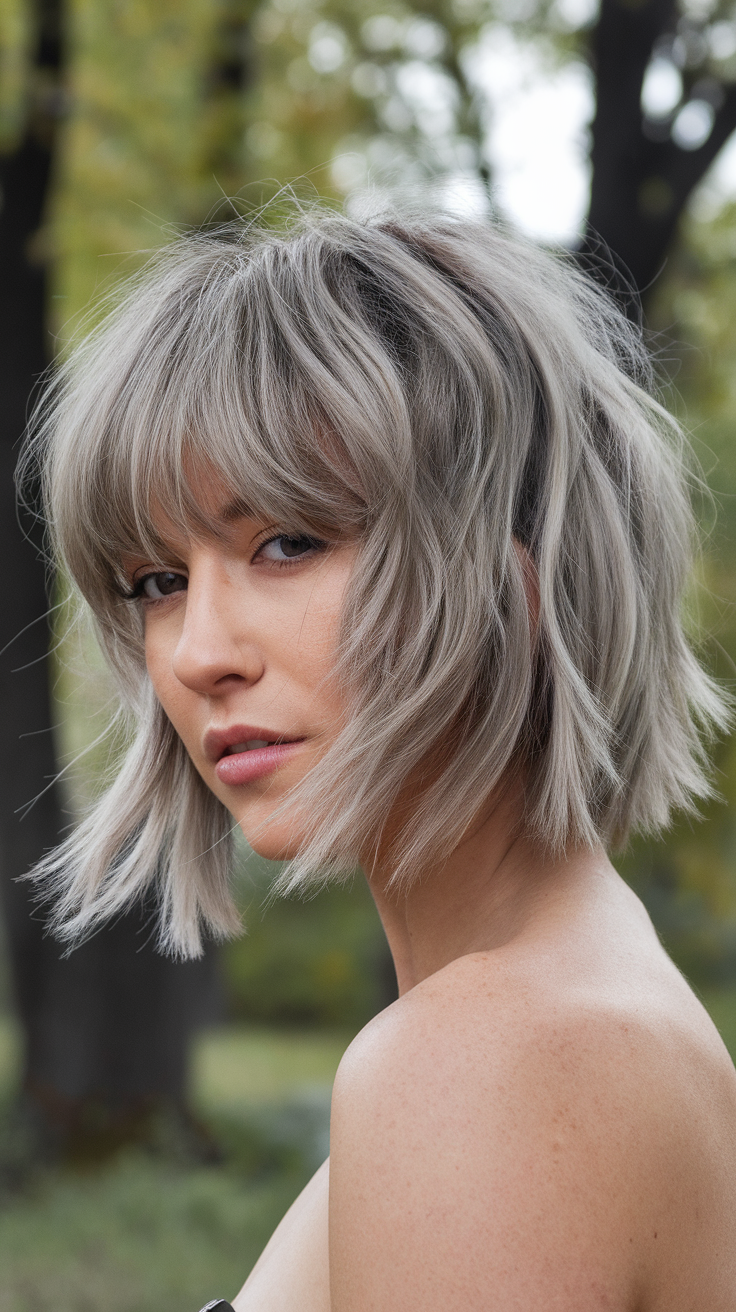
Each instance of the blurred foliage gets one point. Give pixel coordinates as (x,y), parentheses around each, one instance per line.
(156,115)
(385,93)
(142,1234)
(15,36)
(154,1228)
(688,879)
(236,1065)
(174,108)
(316,961)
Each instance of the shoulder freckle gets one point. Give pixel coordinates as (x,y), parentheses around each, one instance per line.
(517,1134)
(435,1041)
(500,1051)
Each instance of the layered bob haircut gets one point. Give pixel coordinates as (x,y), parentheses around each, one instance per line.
(478,417)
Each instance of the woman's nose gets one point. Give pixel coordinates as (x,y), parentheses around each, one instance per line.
(214,649)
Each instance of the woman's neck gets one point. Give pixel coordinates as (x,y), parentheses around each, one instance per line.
(494,888)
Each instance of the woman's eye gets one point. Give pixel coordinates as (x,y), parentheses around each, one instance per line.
(284,548)
(154,587)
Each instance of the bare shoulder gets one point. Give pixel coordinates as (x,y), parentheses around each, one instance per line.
(484,1021)
(566,1147)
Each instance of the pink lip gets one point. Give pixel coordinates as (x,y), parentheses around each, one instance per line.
(242,767)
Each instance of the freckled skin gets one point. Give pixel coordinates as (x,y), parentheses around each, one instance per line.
(545,1121)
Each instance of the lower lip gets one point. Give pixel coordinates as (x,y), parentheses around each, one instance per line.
(244,767)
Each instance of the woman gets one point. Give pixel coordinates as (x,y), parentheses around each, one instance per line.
(386,540)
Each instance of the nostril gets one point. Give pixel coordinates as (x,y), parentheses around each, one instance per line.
(206,664)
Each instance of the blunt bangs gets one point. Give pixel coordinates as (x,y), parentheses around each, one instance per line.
(468,408)
(184,396)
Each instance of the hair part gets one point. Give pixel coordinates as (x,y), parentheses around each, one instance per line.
(440,391)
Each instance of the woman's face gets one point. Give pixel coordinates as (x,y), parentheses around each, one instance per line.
(240,638)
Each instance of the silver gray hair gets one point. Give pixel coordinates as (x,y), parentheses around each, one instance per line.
(440,391)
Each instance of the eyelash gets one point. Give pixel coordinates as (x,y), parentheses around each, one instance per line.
(315,544)
(137,593)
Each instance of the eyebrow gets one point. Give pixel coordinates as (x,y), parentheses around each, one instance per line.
(236,509)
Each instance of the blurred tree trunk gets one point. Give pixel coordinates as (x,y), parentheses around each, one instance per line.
(642,180)
(106,1031)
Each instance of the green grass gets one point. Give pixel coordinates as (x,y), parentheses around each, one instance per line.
(144,1235)
(138,1237)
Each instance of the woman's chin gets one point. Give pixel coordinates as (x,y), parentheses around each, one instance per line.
(272,843)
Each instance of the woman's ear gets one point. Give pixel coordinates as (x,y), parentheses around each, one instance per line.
(531,583)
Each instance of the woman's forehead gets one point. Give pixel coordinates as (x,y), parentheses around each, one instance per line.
(212,494)
(206,506)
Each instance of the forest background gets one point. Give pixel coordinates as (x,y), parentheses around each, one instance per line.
(158,118)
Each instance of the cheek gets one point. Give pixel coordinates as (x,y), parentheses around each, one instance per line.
(315,654)
(155,662)
(168,689)
(320,629)
(313,657)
